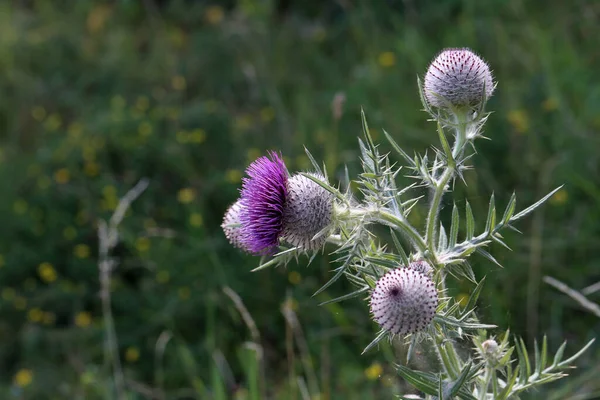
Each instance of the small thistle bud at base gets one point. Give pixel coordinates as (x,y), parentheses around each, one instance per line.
(458,78)
(404,301)
(308,211)
(231,225)
(491,352)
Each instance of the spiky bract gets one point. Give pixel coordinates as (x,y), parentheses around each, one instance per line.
(404,301)
(308,212)
(232,227)
(458,78)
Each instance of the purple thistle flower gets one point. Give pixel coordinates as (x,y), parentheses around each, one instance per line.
(404,301)
(458,77)
(263,197)
(231,225)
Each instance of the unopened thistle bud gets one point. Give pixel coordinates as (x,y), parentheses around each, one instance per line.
(404,301)
(491,352)
(308,212)
(232,227)
(458,78)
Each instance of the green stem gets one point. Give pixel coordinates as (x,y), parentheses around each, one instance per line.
(438,193)
(487,380)
(382,216)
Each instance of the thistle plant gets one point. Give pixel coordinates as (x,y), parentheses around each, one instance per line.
(402,276)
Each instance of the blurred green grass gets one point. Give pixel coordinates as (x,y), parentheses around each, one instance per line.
(98,94)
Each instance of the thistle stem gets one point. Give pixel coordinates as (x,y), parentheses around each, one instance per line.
(382,216)
(438,192)
(486,383)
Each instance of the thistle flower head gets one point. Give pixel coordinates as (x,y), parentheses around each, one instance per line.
(404,301)
(308,211)
(231,225)
(458,78)
(263,196)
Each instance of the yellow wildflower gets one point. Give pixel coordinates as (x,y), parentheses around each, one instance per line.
(559,197)
(145,129)
(233,175)
(162,277)
(142,244)
(48,318)
(82,251)
(214,15)
(178,82)
(267,114)
(20,303)
(38,113)
(35,315)
(196,220)
(373,371)
(20,206)
(519,120)
(62,176)
(132,354)
(23,377)
(294,277)
(83,319)
(91,169)
(184,293)
(186,195)
(550,104)
(387,59)
(142,103)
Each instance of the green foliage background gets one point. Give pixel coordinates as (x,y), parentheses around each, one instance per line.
(96,95)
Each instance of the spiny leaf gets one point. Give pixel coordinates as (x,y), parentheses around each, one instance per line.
(352,295)
(396,147)
(399,248)
(527,363)
(510,209)
(559,354)
(475,295)
(461,324)
(425,382)
(462,379)
(491,217)
(447,151)
(338,275)
(488,256)
(523,375)
(470,221)
(443,239)
(534,206)
(313,161)
(454,227)
(568,361)
(377,339)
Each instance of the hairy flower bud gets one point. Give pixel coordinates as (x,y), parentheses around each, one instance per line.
(308,211)
(231,225)
(458,78)
(404,301)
